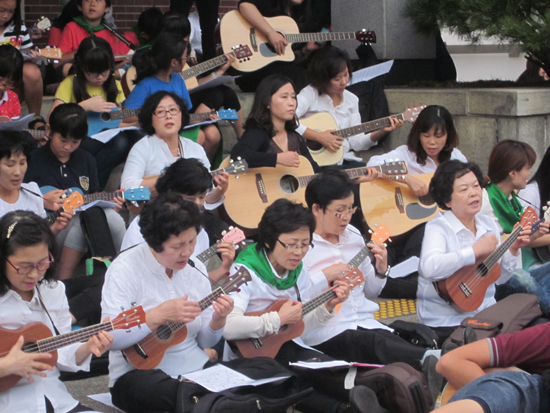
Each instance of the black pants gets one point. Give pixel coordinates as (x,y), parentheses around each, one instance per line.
(208,18)
(372,346)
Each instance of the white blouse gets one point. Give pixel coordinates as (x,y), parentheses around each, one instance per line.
(26,201)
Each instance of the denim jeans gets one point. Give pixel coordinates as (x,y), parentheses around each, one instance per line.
(507,392)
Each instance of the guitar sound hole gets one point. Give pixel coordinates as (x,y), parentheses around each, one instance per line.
(289,184)
(164,332)
(314,145)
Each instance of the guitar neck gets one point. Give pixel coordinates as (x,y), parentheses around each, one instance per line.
(203,67)
(367,126)
(53,343)
(100,196)
(359,258)
(352,173)
(208,253)
(196,117)
(318,37)
(492,259)
(123,114)
(321,299)
(51,218)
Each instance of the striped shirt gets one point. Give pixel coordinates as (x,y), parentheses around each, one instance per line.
(23,41)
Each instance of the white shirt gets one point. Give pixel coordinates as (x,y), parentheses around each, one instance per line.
(357,310)
(26,201)
(530,196)
(27,397)
(346,114)
(402,153)
(135,276)
(257,295)
(447,247)
(133,237)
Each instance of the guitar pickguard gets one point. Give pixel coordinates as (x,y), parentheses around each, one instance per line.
(266,50)
(417,211)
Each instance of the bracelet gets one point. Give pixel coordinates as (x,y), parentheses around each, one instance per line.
(382,276)
(214,75)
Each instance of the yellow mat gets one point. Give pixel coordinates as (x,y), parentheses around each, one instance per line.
(395,308)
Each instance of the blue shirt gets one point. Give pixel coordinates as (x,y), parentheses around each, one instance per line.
(153,84)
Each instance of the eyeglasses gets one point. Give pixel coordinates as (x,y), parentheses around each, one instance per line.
(105,74)
(295,247)
(161,113)
(27,269)
(341,215)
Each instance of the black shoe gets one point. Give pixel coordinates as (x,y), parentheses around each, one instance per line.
(363,400)
(449,346)
(469,335)
(435,380)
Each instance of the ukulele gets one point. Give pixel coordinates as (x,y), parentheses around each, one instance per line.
(234,235)
(384,200)
(466,288)
(250,193)
(149,352)
(38,338)
(70,204)
(323,121)
(269,346)
(99,121)
(134,194)
(235,29)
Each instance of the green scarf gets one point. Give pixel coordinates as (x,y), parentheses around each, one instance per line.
(89,28)
(507,211)
(135,29)
(257,261)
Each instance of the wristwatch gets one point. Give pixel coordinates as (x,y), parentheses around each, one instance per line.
(382,276)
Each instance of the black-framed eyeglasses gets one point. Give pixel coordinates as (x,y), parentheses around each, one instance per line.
(295,247)
(349,212)
(27,269)
(161,113)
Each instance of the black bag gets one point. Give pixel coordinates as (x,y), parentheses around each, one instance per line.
(399,387)
(513,313)
(418,334)
(269,398)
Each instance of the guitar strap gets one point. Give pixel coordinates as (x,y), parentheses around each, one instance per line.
(298,297)
(47,312)
(180,148)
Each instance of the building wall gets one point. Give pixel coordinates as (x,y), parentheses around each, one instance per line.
(126,12)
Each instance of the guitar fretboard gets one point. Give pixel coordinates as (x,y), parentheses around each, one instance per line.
(204,67)
(208,253)
(128,113)
(352,173)
(359,257)
(367,126)
(492,259)
(100,196)
(318,37)
(321,299)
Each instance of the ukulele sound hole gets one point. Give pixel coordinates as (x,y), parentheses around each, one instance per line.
(164,332)
(289,184)
(105,116)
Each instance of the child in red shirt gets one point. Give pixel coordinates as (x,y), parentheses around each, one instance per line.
(11,73)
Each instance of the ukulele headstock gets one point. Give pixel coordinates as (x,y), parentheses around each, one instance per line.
(234,281)
(234,235)
(528,217)
(73,201)
(380,234)
(134,317)
(354,278)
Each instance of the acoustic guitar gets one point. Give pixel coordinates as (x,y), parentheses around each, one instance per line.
(384,200)
(323,121)
(149,352)
(466,288)
(189,74)
(235,29)
(250,193)
(269,346)
(38,338)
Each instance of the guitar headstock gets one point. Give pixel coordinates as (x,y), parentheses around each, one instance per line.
(366,36)
(411,114)
(44,23)
(73,201)
(134,317)
(234,235)
(228,114)
(242,52)
(234,281)
(380,234)
(393,169)
(528,217)
(354,278)
(137,194)
(236,167)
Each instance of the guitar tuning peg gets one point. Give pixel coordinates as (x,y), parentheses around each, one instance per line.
(224,232)
(390,240)
(370,231)
(385,245)
(121,308)
(128,331)
(231,228)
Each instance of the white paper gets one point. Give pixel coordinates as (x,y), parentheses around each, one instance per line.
(104,398)
(315,365)
(368,73)
(404,268)
(18,124)
(109,134)
(220,80)
(102,204)
(219,378)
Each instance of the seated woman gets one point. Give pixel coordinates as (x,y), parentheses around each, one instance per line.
(329,74)
(270,136)
(457,238)
(162,117)
(432,140)
(30,293)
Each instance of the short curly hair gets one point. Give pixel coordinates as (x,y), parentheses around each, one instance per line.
(165,216)
(147,111)
(441,186)
(282,217)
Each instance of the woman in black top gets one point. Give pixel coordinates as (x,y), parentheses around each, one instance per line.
(270,138)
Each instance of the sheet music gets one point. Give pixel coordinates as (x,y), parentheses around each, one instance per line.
(18,124)
(316,365)
(220,80)
(404,268)
(371,72)
(109,134)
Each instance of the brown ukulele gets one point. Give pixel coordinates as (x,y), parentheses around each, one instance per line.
(149,352)
(465,289)
(270,345)
(38,338)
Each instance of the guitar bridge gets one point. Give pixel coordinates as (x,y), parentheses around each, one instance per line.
(399,200)
(253,38)
(261,188)
(467,292)
(140,351)
(257,342)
